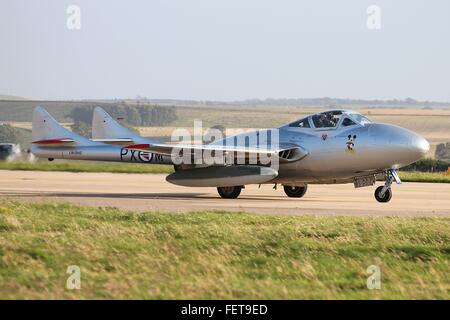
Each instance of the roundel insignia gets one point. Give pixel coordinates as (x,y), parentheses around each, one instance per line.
(145,156)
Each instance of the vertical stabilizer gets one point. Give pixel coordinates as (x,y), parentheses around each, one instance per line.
(47,131)
(105,128)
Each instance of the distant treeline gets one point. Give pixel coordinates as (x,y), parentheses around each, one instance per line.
(428,165)
(134,115)
(306,102)
(61,110)
(140,116)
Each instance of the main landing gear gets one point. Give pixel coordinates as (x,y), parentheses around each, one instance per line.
(234,192)
(384,193)
(295,191)
(229,192)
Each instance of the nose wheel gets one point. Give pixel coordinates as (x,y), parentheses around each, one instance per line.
(384,193)
(383,196)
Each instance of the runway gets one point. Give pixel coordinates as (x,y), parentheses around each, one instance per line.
(150,192)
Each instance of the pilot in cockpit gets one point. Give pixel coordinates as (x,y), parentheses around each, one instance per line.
(326,120)
(330,119)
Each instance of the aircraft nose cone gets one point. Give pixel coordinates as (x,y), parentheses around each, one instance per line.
(400,145)
(411,145)
(420,146)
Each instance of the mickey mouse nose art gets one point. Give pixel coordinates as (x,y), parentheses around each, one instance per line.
(350,143)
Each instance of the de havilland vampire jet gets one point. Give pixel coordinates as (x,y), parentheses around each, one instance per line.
(331,147)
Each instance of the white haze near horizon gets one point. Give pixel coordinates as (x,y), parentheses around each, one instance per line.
(225,49)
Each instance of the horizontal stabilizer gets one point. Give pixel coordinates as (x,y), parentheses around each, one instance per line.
(55,142)
(52,141)
(122,141)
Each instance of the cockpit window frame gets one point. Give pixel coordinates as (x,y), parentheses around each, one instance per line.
(343,115)
(295,123)
(353,114)
(338,124)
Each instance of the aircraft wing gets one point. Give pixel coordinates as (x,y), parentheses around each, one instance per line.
(286,152)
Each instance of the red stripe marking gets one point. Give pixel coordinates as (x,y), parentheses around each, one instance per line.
(52,141)
(138,146)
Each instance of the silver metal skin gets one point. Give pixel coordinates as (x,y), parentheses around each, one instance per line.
(377,148)
(100,153)
(335,146)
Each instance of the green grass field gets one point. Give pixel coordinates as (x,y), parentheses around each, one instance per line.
(441,177)
(86,166)
(215,255)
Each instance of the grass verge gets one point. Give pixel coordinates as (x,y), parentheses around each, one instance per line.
(86,166)
(436,177)
(217,255)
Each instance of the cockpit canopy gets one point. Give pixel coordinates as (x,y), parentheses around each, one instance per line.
(331,120)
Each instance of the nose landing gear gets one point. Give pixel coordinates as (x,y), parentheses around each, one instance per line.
(384,193)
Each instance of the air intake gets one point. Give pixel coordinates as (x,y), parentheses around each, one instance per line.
(292,154)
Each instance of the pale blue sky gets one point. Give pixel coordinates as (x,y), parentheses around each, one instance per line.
(225,49)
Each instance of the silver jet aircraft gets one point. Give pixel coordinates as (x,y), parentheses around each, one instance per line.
(331,147)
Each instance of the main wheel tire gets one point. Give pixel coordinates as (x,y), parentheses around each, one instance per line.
(229,192)
(386,197)
(295,191)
